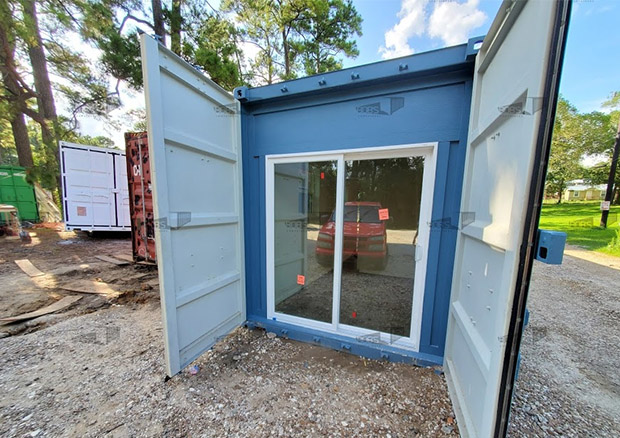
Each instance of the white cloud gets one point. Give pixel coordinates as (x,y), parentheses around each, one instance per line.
(411,23)
(452,21)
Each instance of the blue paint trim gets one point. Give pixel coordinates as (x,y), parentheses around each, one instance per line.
(472,50)
(407,67)
(436,109)
(346,344)
(433,256)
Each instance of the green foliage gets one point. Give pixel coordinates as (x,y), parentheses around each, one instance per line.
(212,47)
(121,57)
(580,221)
(120,50)
(327,33)
(260,25)
(296,36)
(566,148)
(614,244)
(8,154)
(576,136)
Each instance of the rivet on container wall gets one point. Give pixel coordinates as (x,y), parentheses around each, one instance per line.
(322,82)
(284,89)
(355,76)
(403,67)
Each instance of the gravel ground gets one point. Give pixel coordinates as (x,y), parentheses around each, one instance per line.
(102,374)
(569,381)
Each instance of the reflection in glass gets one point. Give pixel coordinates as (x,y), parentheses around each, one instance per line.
(304,200)
(382,211)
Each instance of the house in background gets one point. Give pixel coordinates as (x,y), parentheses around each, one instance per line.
(580,191)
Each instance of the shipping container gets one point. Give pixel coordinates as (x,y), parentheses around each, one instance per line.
(95,194)
(388,210)
(140,197)
(15,190)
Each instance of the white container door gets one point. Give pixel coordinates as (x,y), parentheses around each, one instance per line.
(122,191)
(515,87)
(88,183)
(195,158)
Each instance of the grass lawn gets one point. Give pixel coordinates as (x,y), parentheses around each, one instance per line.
(580,221)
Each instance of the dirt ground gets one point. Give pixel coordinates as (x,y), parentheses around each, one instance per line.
(91,373)
(97,368)
(68,260)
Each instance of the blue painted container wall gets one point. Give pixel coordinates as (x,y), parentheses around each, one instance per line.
(437,95)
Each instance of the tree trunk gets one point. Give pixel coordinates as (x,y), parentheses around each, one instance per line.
(36,53)
(176,23)
(22,141)
(612,176)
(287,61)
(18,122)
(158,21)
(43,86)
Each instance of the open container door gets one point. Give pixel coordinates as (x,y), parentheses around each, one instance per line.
(513,106)
(195,157)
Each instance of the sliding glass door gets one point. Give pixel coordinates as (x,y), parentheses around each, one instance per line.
(346,239)
(303,193)
(381,223)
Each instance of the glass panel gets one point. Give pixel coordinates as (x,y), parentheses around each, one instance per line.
(304,200)
(381,216)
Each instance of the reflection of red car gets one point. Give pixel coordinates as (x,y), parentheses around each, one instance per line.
(365,235)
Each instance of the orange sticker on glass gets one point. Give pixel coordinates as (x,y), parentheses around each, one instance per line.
(81,211)
(301,279)
(384,214)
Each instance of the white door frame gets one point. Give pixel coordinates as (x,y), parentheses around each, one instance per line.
(426,150)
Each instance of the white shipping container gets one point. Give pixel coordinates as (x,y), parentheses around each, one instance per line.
(95,193)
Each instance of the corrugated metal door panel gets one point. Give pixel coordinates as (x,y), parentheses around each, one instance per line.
(121,191)
(140,196)
(195,157)
(515,75)
(88,188)
(93,187)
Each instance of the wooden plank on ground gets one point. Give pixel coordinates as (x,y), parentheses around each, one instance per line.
(112,260)
(28,268)
(55,307)
(126,257)
(88,287)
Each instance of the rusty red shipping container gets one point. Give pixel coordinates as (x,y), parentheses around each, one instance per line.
(140,197)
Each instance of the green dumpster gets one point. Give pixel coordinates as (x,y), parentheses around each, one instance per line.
(16,191)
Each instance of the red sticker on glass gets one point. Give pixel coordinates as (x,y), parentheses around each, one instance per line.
(384,214)
(354,314)
(322,175)
(301,279)
(81,211)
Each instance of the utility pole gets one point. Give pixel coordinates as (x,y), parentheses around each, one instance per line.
(612,176)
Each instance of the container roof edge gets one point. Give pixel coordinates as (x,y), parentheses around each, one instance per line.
(445,59)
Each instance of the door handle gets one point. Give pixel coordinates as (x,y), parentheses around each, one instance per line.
(418,253)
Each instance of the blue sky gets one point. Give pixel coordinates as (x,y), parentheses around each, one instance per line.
(592,62)
(399,27)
